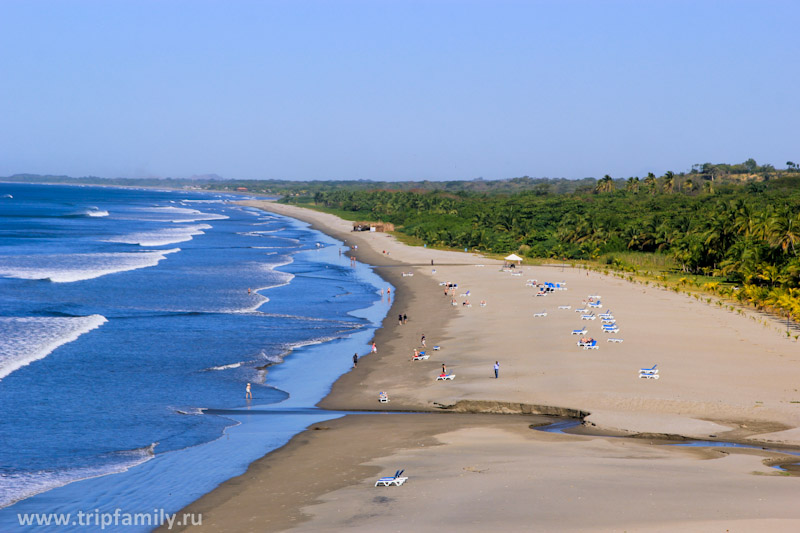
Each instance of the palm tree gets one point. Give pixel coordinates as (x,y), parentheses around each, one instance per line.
(606,184)
(784,231)
(669,181)
(650,182)
(632,185)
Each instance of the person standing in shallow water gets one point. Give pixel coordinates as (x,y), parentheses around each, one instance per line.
(355,360)
(248,395)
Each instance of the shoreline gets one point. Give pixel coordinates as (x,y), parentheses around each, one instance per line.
(341,496)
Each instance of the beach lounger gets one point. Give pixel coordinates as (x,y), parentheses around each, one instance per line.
(579,331)
(420,357)
(582,310)
(607,320)
(383,397)
(397,479)
(591,346)
(651,370)
(437,348)
(445,377)
(588,317)
(596,305)
(611,330)
(613,340)
(606,312)
(595,296)
(543,313)
(565,307)
(648,376)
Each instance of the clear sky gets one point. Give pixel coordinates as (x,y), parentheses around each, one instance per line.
(395,90)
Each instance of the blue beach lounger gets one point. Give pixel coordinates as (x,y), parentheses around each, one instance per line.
(395,480)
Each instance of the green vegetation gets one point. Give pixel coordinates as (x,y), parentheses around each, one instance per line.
(714,229)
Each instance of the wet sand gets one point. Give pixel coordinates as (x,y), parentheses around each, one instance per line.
(724,374)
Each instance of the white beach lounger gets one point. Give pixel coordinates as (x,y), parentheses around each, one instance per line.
(543,313)
(588,317)
(610,330)
(595,296)
(651,370)
(420,357)
(565,307)
(579,331)
(582,310)
(395,480)
(607,320)
(437,348)
(591,346)
(596,305)
(613,340)
(445,378)
(648,376)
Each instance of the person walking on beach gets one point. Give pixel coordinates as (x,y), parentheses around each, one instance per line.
(355,359)
(422,340)
(405,318)
(374,348)
(400,319)
(496,370)
(248,395)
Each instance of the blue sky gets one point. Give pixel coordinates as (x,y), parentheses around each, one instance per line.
(385,89)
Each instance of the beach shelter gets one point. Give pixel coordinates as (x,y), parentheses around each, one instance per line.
(511,258)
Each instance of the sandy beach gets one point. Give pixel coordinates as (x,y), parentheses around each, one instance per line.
(723,375)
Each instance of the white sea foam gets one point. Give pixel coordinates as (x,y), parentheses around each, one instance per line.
(18,486)
(162,237)
(170,213)
(28,339)
(65,268)
(225,367)
(191,411)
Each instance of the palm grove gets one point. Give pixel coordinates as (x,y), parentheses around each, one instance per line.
(739,224)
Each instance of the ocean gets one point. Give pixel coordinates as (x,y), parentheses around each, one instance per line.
(131,321)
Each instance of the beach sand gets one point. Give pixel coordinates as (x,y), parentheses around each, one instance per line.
(724,374)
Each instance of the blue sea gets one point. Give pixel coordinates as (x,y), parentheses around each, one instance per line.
(130,323)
